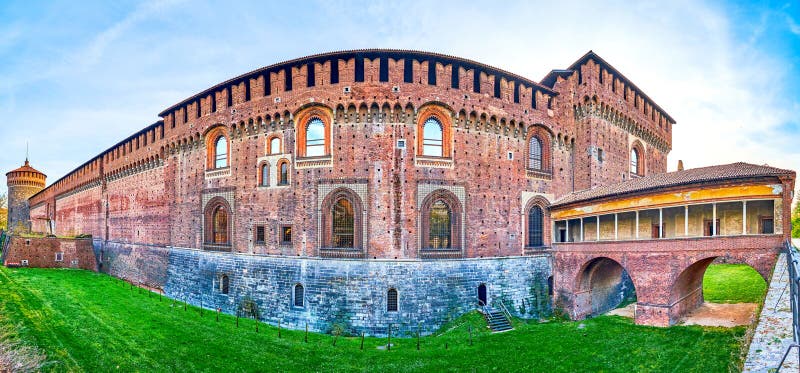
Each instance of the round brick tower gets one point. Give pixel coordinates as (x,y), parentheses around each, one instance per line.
(22,184)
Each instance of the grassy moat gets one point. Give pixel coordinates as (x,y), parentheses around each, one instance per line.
(85,321)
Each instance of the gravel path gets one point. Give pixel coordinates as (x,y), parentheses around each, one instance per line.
(773,332)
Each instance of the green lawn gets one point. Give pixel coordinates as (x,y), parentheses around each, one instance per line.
(733,283)
(86,321)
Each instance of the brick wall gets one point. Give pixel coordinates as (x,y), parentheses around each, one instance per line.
(41,253)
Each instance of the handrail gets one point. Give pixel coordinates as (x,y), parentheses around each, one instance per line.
(793,264)
(505,310)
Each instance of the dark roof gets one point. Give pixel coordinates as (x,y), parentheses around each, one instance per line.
(593,56)
(733,171)
(550,79)
(371,54)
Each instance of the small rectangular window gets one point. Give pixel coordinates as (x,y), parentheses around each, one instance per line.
(286,235)
(23,262)
(401,144)
(59,257)
(510,156)
(599,154)
(260,234)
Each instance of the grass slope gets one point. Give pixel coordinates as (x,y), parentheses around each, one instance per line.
(91,322)
(733,283)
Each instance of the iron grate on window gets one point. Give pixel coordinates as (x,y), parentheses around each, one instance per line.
(224,284)
(260,234)
(343,224)
(391,300)
(299,295)
(535,154)
(535,225)
(439,226)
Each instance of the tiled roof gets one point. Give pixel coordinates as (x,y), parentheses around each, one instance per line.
(733,171)
(25,168)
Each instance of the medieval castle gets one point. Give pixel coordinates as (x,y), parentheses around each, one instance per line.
(388,187)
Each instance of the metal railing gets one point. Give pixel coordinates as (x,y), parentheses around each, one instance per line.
(793,267)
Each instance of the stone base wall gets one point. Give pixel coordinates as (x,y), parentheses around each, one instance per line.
(349,293)
(40,252)
(137,263)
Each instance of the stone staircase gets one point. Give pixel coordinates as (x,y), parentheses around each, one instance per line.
(496,320)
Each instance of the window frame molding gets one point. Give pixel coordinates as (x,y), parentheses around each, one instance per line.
(444,116)
(208,224)
(641,164)
(544,205)
(211,137)
(326,219)
(456,220)
(303,118)
(545,137)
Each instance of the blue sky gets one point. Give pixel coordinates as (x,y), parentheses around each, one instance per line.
(77,77)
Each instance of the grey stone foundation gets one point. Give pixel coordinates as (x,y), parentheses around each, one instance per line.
(349,293)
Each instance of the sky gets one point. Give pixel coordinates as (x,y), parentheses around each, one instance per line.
(77,77)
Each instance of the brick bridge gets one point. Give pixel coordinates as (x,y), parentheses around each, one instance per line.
(655,236)
(667,274)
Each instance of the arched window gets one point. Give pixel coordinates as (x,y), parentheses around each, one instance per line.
(224,284)
(343,223)
(265,174)
(535,153)
(275,145)
(221,152)
(220,225)
(535,227)
(299,295)
(634,161)
(432,138)
(283,177)
(315,138)
(439,220)
(391,300)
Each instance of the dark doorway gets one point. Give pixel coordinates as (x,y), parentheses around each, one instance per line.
(482,294)
(656,231)
(562,235)
(708,230)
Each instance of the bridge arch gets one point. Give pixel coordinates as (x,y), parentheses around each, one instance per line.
(602,285)
(686,292)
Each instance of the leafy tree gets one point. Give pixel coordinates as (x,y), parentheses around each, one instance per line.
(3,211)
(796,221)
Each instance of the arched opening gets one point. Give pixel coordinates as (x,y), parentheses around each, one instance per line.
(535,153)
(221,152)
(299,295)
(283,172)
(343,223)
(275,145)
(482,296)
(535,227)
(432,138)
(224,284)
(220,225)
(315,138)
(440,232)
(265,174)
(603,285)
(391,300)
(715,293)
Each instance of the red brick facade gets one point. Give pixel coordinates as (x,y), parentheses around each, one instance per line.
(152,187)
(50,253)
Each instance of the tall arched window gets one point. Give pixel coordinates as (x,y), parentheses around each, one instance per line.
(315,138)
(432,138)
(535,153)
(265,174)
(535,227)
(343,224)
(220,225)
(275,145)
(391,300)
(439,220)
(634,161)
(283,177)
(299,295)
(221,152)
